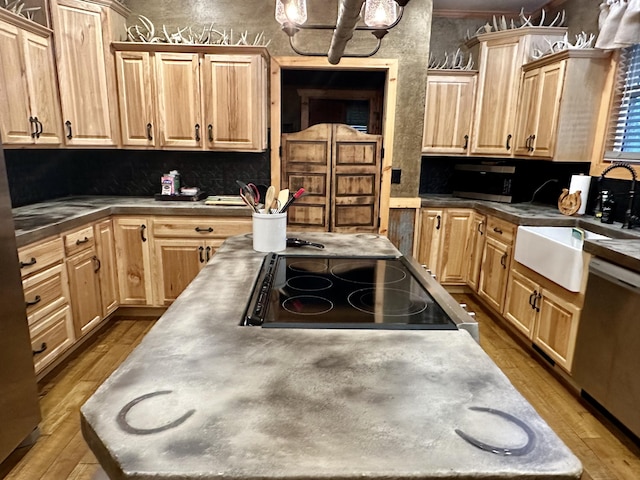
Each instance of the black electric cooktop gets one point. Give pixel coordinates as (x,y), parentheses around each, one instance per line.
(342,292)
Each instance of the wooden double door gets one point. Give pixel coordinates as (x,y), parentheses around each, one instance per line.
(339,168)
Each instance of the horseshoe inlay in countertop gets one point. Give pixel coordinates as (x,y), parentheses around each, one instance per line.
(124,424)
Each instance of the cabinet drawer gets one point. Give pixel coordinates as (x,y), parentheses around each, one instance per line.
(200,227)
(501,229)
(78,240)
(51,337)
(36,257)
(45,292)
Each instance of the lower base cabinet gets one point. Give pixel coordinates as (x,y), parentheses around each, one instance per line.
(494,272)
(474,248)
(84,286)
(51,337)
(546,313)
(133,259)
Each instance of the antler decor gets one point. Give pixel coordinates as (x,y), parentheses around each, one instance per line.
(146,33)
(500,23)
(583,40)
(18,7)
(451,62)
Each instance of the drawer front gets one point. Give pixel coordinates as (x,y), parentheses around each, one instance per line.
(78,240)
(200,227)
(39,256)
(45,292)
(501,229)
(51,337)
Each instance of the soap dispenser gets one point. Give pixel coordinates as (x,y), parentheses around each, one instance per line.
(607,207)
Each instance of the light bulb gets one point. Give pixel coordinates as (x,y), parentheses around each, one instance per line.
(380,13)
(288,11)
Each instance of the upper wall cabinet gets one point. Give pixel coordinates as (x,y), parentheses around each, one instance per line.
(192,96)
(448,111)
(501,56)
(29,102)
(559,103)
(83,32)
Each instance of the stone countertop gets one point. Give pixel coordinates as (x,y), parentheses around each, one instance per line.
(218,400)
(622,248)
(40,220)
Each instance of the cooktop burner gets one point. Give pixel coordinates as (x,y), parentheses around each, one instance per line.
(342,292)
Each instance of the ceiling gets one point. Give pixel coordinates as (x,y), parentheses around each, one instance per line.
(470,7)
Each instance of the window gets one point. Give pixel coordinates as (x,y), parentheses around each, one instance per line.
(623,137)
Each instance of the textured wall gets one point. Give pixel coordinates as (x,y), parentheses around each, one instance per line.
(582,15)
(408,42)
(447,34)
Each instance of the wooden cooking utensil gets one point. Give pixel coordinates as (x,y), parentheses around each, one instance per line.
(283,197)
(269,198)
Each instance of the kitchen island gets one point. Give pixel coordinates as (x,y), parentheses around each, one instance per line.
(203,397)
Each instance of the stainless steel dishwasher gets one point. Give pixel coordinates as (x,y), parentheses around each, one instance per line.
(607,355)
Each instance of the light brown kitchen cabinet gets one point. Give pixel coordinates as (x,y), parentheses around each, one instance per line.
(132,236)
(501,56)
(545,313)
(46,292)
(559,101)
(29,102)
(235,102)
(86,72)
(429,243)
(183,246)
(453,260)
(84,286)
(496,261)
(474,248)
(136,96)
(105,249)
(448,111)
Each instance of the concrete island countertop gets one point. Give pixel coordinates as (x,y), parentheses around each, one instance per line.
(204,398)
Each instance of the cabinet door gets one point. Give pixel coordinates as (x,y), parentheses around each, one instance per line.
(556,329)
(528,108)
(176,264)
(473,250)
(453,261)
(136,95)
(15,127)
(51,337)
(548,109)
(447,116)
(105,246)
(43,88)
(133,260)
(178,90)
(430,232)
(494,272)
(522,302)
(84,287)
(497,89)
(234,102)
(82,56)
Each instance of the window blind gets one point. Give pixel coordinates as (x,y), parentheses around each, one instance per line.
(623,136)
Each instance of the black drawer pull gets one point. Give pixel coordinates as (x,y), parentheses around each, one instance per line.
(535,302)
(34,126)
(503,260)
(438,219)
(142,229)
(29,263)
(480,225)
(200,250)
(197,132)
(531,147)
(43,347)
(68,125)
(508,145)
(497,230)
(149,136)
(466,142)
(98,263)
(210,129)
(33,302)
(80,242)
(209,253)
(39,131)
(200,230)
(532,299)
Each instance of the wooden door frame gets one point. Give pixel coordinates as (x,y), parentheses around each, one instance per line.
(390,66)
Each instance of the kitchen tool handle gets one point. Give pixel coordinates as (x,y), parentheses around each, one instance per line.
(43,347)
(143,227)
(438,220)
(497,230)
(149,136)
(33,302)
(70,131)
(508,145)
(29,263)
(200,250)
(466,142)
(98,263)
(80,242)
(527,143)
(503,261)
(34,127)
(209,229)
(208,252)
(197,132)
(210,131)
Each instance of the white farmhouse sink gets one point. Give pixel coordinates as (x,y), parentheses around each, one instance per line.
(554,253)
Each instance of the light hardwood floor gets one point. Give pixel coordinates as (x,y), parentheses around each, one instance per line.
(61,454)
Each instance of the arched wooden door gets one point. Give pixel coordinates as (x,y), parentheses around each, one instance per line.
(340,168)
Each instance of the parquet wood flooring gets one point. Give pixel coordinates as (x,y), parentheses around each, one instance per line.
(61,453)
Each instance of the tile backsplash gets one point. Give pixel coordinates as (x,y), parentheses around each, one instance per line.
(38,175)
